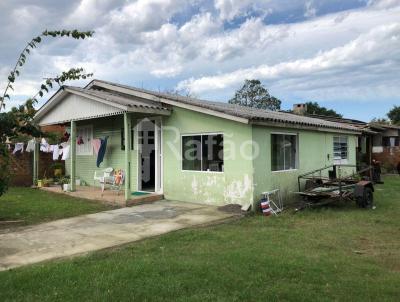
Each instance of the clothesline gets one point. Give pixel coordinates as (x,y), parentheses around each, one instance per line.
(63,149)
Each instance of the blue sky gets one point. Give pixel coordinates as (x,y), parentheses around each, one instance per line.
(344,54)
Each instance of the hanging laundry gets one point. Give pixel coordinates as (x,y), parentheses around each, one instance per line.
(44,146)
(102,151)
(31,146)
(19,147)
(56,152)
(96,143)
(65,152)
(79,141)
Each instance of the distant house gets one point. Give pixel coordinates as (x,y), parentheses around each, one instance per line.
(193,150)
(377,141)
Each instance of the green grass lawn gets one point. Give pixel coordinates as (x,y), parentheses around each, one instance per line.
(342,253)
(35,206)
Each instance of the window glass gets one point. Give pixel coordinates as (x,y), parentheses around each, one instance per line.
(212,152)
(203,152)
(191,153)
(283,152)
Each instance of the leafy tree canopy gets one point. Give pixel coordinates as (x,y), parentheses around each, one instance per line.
(315,108)
(394,115)
(254,94)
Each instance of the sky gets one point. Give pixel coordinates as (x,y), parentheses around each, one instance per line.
(343,54)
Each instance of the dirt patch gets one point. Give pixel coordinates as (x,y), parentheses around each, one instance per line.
(231,208)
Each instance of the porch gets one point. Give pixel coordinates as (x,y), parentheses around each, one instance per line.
(130,129)
(108,196)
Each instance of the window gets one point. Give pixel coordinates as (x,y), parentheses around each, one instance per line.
(123,139)
(283,152)
(203,152)
(340,147)
(84,136)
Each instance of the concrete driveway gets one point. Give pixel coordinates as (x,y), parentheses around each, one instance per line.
(82,234)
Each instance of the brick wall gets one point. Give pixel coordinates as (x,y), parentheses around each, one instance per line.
(22,167)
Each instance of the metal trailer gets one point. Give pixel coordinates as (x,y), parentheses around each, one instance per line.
(329,185)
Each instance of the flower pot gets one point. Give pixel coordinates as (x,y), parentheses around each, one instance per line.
(66,187)
(40,183)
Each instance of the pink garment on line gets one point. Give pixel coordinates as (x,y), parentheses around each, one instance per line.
(96,143)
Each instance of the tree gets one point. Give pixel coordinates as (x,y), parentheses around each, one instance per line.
(18,122)
(380,120)
(394,115)
(254,94)
(315,108)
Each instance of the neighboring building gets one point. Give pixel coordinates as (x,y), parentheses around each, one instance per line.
(377,141)
(194,150)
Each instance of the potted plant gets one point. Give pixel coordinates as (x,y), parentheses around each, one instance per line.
(58,169)
(64,183)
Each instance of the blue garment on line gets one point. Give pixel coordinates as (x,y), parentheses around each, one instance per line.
(102,151)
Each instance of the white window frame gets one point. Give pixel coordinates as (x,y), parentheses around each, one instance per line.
(78,149)
(336,160)
(201,152)
(297,151)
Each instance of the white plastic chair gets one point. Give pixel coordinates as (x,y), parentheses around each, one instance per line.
(103,176)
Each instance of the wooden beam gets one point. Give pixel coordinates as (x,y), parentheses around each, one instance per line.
(73,156)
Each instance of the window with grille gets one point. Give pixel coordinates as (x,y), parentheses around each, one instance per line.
(84,136)
(340,149)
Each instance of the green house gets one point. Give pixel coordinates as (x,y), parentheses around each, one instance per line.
(193,150)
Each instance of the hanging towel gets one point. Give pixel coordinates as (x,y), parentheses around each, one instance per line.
(102,151)
(31,146)
(44,146)
(65,152)
(56,152)
(18,147)
(96,143)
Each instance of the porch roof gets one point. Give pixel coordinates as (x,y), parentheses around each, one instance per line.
(74,103)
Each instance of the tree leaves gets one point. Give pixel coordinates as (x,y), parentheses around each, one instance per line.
(254,94)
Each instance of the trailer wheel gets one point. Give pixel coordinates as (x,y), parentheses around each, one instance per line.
(367,199)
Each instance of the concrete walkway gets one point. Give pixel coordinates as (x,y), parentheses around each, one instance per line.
(82,234)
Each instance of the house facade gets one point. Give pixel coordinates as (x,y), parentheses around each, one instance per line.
(193,150)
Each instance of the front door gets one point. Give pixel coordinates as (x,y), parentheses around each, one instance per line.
(149,139)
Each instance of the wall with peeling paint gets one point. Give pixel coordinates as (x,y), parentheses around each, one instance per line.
(234,185)
(315,151)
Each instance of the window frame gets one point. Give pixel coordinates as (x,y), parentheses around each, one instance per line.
(342,161)
(122,139)
(297,161)
(201,134)
(78,151)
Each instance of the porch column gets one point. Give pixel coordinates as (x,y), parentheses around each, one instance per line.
(36,162)
(73,155)
(127,138)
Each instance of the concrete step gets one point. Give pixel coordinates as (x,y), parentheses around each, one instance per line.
(149,198)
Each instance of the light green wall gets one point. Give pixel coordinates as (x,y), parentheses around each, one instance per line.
(314,148)
(234,185)
(243,179)
(114,157)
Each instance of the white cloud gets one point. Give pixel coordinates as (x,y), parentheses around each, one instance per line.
(363,52)
(310,10)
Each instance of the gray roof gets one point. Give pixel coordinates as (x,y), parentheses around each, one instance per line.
(119,99)
(252,114)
